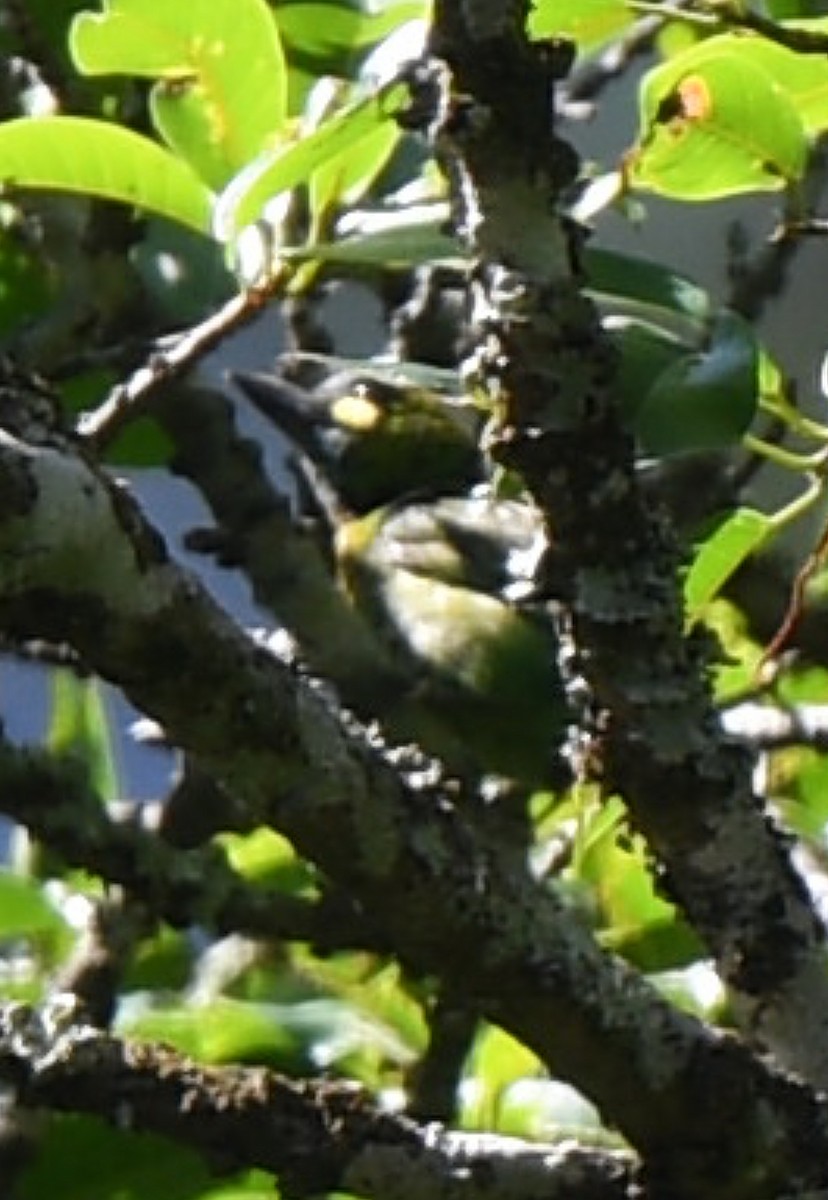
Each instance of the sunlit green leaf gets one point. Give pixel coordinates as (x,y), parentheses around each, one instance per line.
(696,989)
(394,1029)
(616,867)
(659,944)
(721,555)
(587,22)
(162,962)
(24,908)
(343,180)
(324,1032)
(76,154)
(80,726)
(802,77)
(329,31)
(497,1061)
(228,1031)
(266,858)
(242,201)
(252,1185)
(736,674)
(800,781)
(223,91)
(715,123)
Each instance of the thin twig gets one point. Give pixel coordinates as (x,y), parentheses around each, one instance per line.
(802,41)
(590,78)
(169,359)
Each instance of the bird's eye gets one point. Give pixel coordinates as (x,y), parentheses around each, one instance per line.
(356,412)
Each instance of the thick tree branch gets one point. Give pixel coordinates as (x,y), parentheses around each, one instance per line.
(52,799)
(316,1137)
(282,559)
(79,563)
(286,564)
(545,361)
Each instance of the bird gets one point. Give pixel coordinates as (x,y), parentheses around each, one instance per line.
(436,562)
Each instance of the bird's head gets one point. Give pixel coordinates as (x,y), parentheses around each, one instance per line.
(373,442)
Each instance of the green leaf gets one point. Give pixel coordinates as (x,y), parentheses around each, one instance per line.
(341,181)
(226,1031)
(162,962)
(252,1185)
(268,859)
(779,9)
(276,171)
(714,123)
(704,400)
(80,726)
(142,442)
(611,274)
(286,1036)
(387,237)
(183,275)
(24,909)
(26,284)
(587,22)
(76,154)
(721,555)
(81,1158)
(223,91)
(331,31)
(645,352)
(802,77)
(496,1062)
(801,789)
(635,921)
(544,1110)
(659,945)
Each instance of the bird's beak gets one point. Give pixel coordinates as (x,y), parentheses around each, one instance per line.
(302,416)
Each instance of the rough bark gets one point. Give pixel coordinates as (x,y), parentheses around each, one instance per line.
(548,368)
(80,564)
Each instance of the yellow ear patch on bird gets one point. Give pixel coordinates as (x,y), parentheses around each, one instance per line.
(356,412)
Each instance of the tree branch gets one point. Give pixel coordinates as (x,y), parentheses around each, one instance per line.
(52,799)
(79,563)
(315,1136)
(547,365)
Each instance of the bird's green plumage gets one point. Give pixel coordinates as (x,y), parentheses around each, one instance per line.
(488,669)
(431,567)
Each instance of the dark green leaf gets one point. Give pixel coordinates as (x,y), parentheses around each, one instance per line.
(705,400)
(80,1158)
